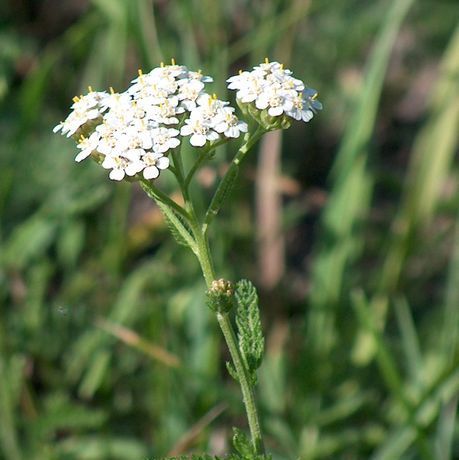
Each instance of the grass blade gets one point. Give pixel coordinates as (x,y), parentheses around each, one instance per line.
(350,197)
(430,164)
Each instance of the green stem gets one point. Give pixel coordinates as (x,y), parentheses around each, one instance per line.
(231,341)
(203,155)
(179,173)
(246,388)
(153,192)
(203,254)
(206,153)
(225,185)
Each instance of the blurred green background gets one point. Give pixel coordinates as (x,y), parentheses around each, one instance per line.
(107,350)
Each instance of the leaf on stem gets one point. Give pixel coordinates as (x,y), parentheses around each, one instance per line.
(176,217)
(250,334)
(226,457)
(178,228)
(242,443)
(223,189)
(232,371)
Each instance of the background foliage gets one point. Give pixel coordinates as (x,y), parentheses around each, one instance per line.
(106,348)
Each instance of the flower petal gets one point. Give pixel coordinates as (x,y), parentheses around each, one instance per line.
(198,140)
(116,174)
(152,172)
(162,163)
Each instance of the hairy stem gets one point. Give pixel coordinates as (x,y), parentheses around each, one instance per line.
(246,388)
(231,341)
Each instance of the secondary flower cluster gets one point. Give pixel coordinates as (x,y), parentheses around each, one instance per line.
(273,90)
(133,132)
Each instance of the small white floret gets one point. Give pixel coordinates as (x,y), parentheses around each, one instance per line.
(87,146)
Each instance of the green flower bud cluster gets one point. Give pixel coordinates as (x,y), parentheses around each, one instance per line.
(220,296)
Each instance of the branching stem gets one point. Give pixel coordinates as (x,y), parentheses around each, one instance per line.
(225,185)
(153,192)
(202,252)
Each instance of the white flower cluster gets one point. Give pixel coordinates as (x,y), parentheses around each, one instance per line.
(84,109)
(132,132)
(272,88)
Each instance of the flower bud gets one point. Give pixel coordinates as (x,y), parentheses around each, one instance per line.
(220,296)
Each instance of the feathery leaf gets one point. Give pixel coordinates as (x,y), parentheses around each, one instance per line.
(250,334)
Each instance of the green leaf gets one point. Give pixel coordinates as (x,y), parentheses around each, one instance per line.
(232,371)
(175,215)
(177,227)
(250,334)
(220,195)
(242,443)
(226,457)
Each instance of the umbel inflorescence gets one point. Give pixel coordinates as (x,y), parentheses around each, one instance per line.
(132,133)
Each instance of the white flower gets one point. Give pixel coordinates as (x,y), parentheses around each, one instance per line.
(132,139)
(87,146)
(107,139)
(82,112)
(127,164)
(165,112)
(168,83)
(208,107)
(148,88)
(189,92)
(122,109)
(88,101)
(190,75)
(164,72)
(310,97)
(159,83)
(249,85)
(154,162)
(199,130)
(300,110)
(227,123)
(110,100)
(277,102)
(271,67)
(290,84)
(164,139)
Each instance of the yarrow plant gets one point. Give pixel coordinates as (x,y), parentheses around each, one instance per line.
(138,134)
